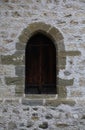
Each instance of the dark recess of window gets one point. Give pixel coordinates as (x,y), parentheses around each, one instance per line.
(40,65)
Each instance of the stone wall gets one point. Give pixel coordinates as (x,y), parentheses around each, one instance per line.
(64,15)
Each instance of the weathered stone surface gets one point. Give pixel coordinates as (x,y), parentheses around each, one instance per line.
(35,116)
(12,125)
(20,70)
(67,73)
(16,111)
(14,80)
(63,82)
(63,117)
(48,116)
(29,124)
(20,46)
(44,125)
(62,125)
(59,101)
(69,53)
(19,90)
(56,34)
(39,26)
(32,102)
(35,108)
(23,38)
(65,25)
(82,1)
(62,92)
(61,62)
(73,53)
(16,59)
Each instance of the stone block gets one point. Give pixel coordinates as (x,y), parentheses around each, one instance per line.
(73,53)
(59,101)
(62,54)
(68,53)
(61,62)
(19,90)
(62,82)
(39,26)
(32,102)
(62,91)
(82,82)
(20,70)
(39,96)
(83,1)
(20,46)
(60,45)
(14,80)
(23,38)
(55,33)
(76,93)
(17,58)
(12,125)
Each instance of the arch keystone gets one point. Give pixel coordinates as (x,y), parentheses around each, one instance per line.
(39,26)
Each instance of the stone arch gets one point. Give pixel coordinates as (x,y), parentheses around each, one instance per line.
(57,38)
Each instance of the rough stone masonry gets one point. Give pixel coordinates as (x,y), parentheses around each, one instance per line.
(64,21)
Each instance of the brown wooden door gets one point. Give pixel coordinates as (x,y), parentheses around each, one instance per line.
(40,66)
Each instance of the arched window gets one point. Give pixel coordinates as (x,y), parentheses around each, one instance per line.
(40,69)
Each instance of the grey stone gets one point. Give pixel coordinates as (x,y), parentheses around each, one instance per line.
(35,108)
(49,116)
(14,80)
(35,114)
(82,1)
(22,124)
(20,46)
(32,102)
(5,109)
(62,125)
(83,117)
(16,111)
(20,70)
(67,73)
(44,125)
(26,109)
(12,125)
(30,124)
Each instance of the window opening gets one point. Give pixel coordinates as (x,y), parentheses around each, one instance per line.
(40,65)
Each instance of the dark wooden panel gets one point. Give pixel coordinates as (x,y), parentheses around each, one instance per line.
(40,65)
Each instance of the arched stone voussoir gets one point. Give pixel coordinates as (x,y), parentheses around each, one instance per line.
(37,26)
(23,38)
(56,34)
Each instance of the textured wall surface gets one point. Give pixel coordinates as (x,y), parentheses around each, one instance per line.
(68,16)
